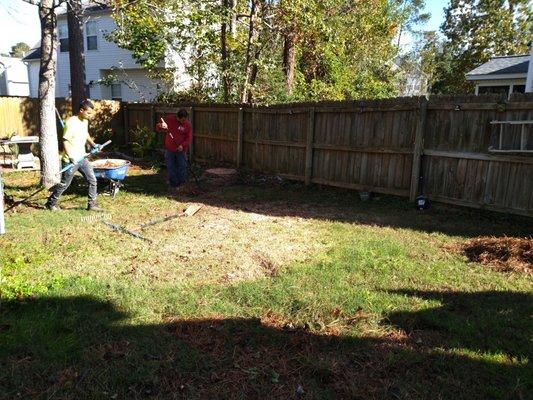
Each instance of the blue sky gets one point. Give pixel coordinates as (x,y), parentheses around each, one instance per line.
(20,22)
(436,9)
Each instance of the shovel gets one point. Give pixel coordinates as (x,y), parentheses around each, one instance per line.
(189,212)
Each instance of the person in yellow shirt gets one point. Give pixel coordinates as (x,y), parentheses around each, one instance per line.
(75,137)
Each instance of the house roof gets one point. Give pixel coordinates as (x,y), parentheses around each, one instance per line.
(502,66)
(89,9)
(33,54)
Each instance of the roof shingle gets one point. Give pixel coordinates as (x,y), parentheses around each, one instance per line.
(503,65)
(34,54)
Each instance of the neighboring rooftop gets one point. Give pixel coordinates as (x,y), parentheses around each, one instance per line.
(503,65)
(33,54)
(90,8)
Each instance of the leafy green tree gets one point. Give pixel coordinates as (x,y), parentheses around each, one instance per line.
(267,51)
(475,31)
(19,49)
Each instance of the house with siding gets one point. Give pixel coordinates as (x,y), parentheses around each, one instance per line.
(505,74)
(13,77)
(110,71)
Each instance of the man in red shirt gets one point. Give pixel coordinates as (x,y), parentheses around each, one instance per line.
(178,137)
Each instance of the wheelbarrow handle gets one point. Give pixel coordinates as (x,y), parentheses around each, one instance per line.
(69,166)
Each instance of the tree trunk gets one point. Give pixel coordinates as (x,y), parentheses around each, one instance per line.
(224,50)
(289,60)
(76,54)
(253,77)
(233,19)
(400,35)
(47,85)
(248,65)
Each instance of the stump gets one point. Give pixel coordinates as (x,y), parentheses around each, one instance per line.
(218,177)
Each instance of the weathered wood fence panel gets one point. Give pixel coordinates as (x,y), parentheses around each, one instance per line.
(458,166)
(20,115)
(275,141)
(215,134)
(440,148)
(366,146)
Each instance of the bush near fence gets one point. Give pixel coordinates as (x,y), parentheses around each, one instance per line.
(404,146)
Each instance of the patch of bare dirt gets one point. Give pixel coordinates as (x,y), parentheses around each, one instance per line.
(505,254)
(223,245)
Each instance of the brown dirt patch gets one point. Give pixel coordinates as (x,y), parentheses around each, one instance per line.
(505,254)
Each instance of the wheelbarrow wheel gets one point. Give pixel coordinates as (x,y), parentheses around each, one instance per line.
(114,188)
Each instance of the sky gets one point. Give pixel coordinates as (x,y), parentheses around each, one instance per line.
(436,9)
(20,23)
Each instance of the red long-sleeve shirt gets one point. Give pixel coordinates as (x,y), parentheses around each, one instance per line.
(178,134)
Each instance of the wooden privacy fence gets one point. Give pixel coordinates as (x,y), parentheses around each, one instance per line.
(448,148)
(20,116)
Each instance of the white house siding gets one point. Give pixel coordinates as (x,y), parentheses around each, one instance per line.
(529,79)
(136,86)
(33,77)
(14,77)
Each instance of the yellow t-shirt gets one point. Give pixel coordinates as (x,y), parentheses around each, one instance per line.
(76,133)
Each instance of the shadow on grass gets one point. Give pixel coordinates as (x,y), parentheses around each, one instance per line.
(293,199)
(319,202)
(81,347)
(495,322)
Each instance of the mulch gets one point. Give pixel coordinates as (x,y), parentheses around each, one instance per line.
(506,254)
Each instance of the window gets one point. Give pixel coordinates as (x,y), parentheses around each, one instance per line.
(493,89)
(116,91)
(87,90)
(63,38)
(92,35)
(519,88)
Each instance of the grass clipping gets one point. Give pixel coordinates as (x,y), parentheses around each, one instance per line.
(504,254)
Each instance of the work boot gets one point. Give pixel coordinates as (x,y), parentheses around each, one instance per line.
(52,207)
(95,208)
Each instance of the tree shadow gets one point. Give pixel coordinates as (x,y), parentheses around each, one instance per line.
(280,198)
(489,321)
(271,196)
(29,109)
(81,347)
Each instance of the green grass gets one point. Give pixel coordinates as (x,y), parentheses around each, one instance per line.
(270,291)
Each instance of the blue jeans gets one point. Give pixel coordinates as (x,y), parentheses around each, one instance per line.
(87,171)
(176,162)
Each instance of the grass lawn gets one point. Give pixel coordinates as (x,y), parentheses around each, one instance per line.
(272,290)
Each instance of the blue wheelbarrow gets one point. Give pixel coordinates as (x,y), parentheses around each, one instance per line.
(112,169)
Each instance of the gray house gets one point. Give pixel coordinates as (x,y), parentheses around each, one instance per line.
(505,74)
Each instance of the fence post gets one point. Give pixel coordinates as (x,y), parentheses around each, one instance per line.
(152,118)
(417,151)
(309,146)
(2,221)
(240,127)
(126,124)
(191,120)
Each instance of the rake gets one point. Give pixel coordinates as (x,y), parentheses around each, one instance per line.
(189,212)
